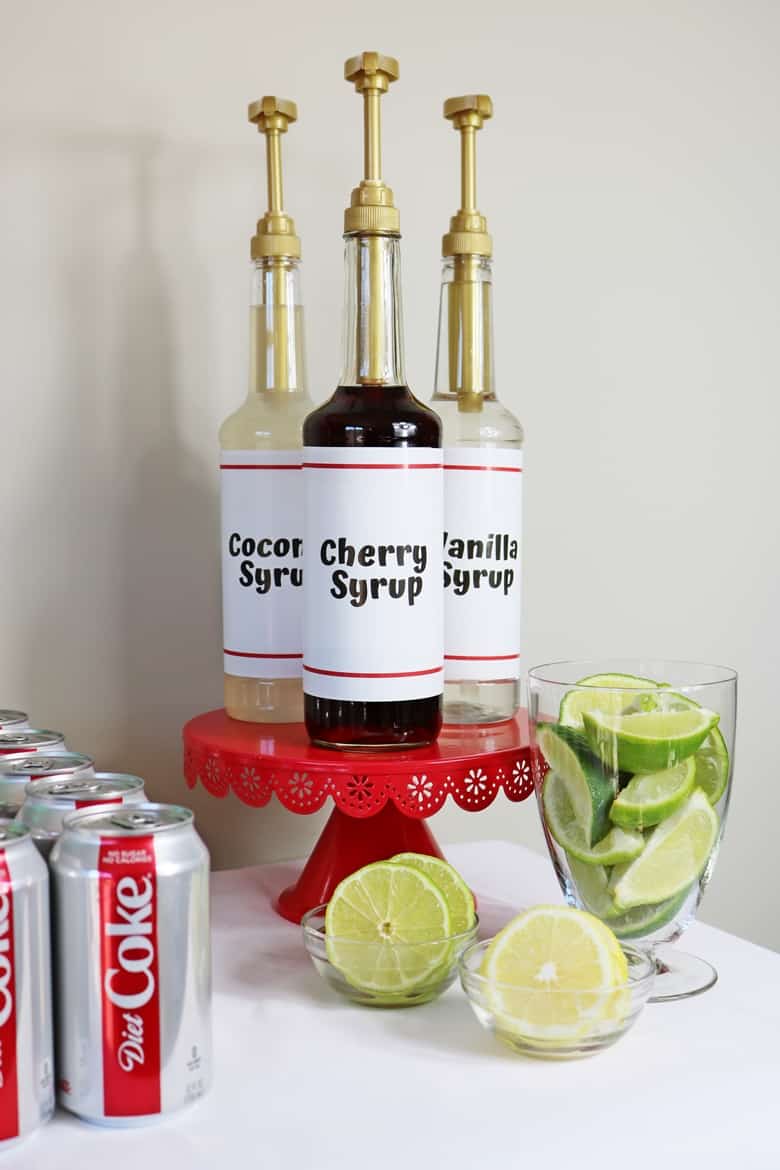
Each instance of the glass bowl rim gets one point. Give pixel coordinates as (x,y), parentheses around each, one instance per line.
(545,671)
(637,984)
(319,934)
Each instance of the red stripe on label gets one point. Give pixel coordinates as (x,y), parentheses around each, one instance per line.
(479,657)
(91,803)
(130,982)
(260,466)
(9,1086)
(360,674)
(376,466)
(242,654)
(15,751)
(473,467)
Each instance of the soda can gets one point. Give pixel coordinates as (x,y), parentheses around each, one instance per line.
(26,1053)
(13,720)
(16,772)
(30,739)
(48,800)
(132,963)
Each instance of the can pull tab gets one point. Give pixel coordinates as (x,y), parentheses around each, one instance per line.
(135,819)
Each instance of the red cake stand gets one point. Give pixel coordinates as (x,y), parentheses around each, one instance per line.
(382,799)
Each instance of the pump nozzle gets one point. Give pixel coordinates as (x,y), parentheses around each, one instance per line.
(372,211)
(468,234)
(275,231)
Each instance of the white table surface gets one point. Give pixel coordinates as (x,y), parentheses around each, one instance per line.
(306,1081)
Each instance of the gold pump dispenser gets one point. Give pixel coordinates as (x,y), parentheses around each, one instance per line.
(275,234)
(276,349)
(469,244)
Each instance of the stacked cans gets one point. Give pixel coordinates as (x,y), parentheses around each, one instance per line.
(130,975)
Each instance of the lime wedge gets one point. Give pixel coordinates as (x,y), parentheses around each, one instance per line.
(553,971)
(609,693)
(386,928)
(460,901)
(566,826)
(675,854)
(648,741)
(712,758)
(645,920)
(652,796)
(592,885)
(591,791)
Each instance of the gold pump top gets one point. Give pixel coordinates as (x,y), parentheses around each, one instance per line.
(372,211)
(275,234)
(468,234)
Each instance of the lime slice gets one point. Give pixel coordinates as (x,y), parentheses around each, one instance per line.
(648,741)
(553,971)
(592,885)
(591,791)
(565,824)
(386,928)
(460,901)
(712,758)
(645,920)
(608,694)
(674,856)
(652,796)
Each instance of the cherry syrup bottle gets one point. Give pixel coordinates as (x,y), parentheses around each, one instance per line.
(373,609)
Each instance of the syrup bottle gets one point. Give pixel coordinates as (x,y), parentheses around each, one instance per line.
(373,618)
(482,464)
(262,480)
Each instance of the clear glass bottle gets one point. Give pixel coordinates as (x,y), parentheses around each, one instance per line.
(262,523)
(482,465)
(372,469)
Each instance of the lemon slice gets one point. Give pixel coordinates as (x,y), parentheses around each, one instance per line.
(608,692)
(459,898)
(386,928)
(675,854)
(648,741)
(553,972)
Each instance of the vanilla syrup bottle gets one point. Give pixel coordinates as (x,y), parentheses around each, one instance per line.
(373,607)
(482,465)
(261,476)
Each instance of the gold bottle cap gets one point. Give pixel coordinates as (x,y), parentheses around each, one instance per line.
(468,234)
(372,211)
(275,231)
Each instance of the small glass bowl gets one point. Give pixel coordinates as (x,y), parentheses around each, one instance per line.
(611,1013)
(438,962)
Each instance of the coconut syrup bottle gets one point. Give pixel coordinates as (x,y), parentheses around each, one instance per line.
(262,480)
(373,607)
(482,464)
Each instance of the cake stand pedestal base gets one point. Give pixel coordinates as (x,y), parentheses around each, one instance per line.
(345,845)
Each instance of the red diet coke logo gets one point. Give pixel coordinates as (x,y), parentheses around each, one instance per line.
(129,976)
(9,1095)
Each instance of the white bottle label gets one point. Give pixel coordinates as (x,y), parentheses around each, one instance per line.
(262,563)
(373,622)
(482,565)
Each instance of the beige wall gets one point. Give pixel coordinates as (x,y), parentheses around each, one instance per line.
(631,176)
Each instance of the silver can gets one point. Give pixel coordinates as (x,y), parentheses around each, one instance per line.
(30,739)
(48,800)
(132,963)
(26,1052)
(13,720)
(16,772)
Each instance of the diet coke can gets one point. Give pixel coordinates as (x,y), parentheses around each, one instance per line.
(13,720)
(26,1055)
(48,800)
(30,739)
(132,963)
(16,772)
